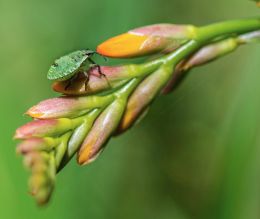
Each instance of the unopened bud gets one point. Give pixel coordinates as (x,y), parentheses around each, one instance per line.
(211,52)
(103,128)
(143,96)
(69,107)
(36,144)
(147,40)
(112,77)
(250,37)
(42,128)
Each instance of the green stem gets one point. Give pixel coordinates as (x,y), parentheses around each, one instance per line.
(127,89)
(204,35)
(209,32)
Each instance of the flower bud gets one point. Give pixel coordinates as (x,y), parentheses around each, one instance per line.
(101,131)
(147,40)
(114,76)
(34,157)
(203,56)
(40,188)
(41,182)
(36,144)
(80,133)
(69,107)
(142,97)
(249,37)
(42,128)
(211,52)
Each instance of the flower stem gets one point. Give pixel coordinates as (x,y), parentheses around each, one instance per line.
(209,32)
(204,36)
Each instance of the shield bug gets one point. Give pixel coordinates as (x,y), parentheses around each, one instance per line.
(69,66)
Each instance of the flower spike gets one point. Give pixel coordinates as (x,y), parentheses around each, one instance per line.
(87,115)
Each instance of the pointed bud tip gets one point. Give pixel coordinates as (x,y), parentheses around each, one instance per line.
(18,134)
(86,158)
(34,113)
(122,46)
(126,121)
(82,161)
(84,155)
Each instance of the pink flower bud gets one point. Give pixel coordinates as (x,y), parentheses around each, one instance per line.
(203,56)
(142,97)
(35,144)
(33,158)
(211,52)
(42,128)
(114,76)
(67,106)
(101,131)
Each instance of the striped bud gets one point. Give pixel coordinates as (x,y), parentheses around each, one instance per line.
(69,107)
(113,77)
(203,56)
(147,40)
(211,52)
(142,97)
(42,128)
(103,128)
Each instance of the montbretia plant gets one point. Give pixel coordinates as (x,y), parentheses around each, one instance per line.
(86,116)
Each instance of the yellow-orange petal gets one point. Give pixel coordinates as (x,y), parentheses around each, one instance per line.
(123,46)
(85,156)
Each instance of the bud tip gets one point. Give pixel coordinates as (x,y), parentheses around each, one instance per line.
(122,46)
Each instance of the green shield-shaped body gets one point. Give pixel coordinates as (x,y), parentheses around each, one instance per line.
(67,66)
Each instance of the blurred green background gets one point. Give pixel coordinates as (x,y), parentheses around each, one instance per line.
(195,155)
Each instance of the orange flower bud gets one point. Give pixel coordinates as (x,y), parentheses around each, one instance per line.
(147,40)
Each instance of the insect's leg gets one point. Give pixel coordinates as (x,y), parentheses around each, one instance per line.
(101,74)
(95,65)
(70,81)
(68,84)
(87,80)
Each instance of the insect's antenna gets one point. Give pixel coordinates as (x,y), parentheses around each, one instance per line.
(105,58)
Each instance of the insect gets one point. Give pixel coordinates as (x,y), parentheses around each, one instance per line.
(69,66)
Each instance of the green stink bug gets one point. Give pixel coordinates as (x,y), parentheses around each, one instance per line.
(68,66)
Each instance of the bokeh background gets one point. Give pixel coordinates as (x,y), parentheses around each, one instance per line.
(195,155)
